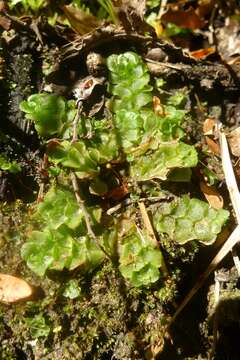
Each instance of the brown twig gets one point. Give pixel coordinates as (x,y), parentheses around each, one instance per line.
(225,249)
(75,186)
(76,122)
(150,231)
(235,236)
(82,206)
(229,173)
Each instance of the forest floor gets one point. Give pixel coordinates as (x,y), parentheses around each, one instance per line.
(119,174)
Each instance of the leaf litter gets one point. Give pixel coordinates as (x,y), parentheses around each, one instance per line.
(136,153)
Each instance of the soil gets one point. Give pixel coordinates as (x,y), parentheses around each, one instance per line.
(110,320)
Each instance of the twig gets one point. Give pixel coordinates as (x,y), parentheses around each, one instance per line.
(149,228)
(229,173)
(76,121)
(76,190)
(162,8)
(231,183)
(235,236)
(128,202)
(81,204)
(225,249)
(162,64)
(236,261)
(117,207)
(147,223)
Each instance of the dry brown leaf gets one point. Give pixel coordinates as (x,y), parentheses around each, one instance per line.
(5,23)
(157,106)
(13,289)
(139,6)
(187,19)
(234,141)
(228,39)
(202,53)
(131,13)
(212,196)
(81,22)
(118,193)
(3,6)
(205,7)
(209,126)
(213,146)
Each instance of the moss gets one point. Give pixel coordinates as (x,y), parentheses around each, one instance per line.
(108,318)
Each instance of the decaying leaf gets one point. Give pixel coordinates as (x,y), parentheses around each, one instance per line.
(2,5)
(5,23)
(209,126)
(212,195)
(234,141)
(187,19)
(131,15)
(213,146)
(205,7)
(84,87)
(202,53)
(13,289)
(81,22)
(228,39)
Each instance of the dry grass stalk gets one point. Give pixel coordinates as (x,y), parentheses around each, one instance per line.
(235,235)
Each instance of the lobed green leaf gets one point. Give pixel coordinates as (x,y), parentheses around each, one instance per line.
(11,166)
(59,249)
(49,112)
(158,163)
(190,219)
(140,261)
(76,156)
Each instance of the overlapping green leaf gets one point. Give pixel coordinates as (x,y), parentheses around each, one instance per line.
(51,113)
(140,261)
(59,207)
(63,241)
(137,126)
(59,249)
(151,143)
(10,166)
(158,163)
(76,156)
(190,219)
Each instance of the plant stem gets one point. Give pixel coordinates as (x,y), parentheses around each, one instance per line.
(76,190)
(81,204)
(150,231)
(225,249)
(76,121)
(229,173)
(108,6)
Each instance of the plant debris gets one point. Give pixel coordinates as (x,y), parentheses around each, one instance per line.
(116,182)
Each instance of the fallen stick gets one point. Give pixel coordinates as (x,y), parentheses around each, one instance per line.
(225,249)
(229,173)
(235,236)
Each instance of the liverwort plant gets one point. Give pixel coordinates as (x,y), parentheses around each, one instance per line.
(34,5)
(61,240)
(10,166)
(140,261)
(71,226)
(140,131)
(50,113)
(189,219)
